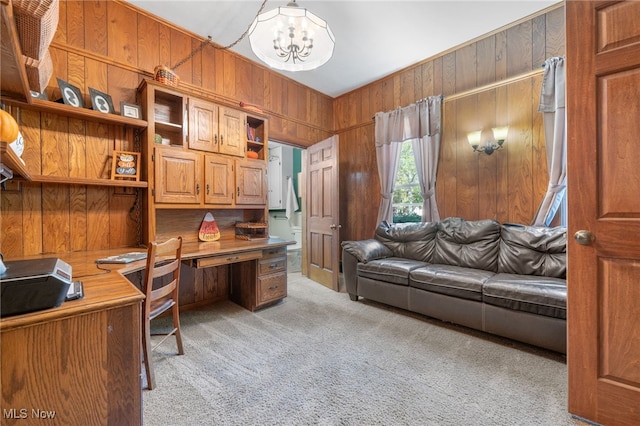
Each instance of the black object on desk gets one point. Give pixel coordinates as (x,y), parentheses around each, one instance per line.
(33,285)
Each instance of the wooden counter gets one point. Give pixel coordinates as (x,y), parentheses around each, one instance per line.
(80,362)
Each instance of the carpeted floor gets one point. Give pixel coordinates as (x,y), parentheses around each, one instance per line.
(318,358)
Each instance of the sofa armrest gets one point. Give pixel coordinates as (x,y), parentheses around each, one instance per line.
(366,250)
(354,252)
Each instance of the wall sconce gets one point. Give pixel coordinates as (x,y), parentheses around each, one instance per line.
(499,135)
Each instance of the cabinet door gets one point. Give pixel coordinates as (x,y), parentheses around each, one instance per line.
(218,180)
(177,174)
(251,182)
(233,132)
(203,125)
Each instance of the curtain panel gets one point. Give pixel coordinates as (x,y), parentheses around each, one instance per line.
(420,123)
(552,105)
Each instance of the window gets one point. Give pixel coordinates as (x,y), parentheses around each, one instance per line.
(407,200)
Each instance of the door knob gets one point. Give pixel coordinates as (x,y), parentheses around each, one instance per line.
(334,226)
(584,237)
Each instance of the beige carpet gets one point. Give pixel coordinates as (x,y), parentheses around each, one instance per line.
(318,358)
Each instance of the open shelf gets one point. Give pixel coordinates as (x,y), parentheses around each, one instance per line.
(9,158)
(75,112)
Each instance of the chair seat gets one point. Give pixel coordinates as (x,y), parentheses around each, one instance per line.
(158,307)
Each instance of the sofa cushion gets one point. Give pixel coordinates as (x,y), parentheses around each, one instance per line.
(472,244)
(451,280)
(539,295)
(528,250)
(392,269)
(409,240)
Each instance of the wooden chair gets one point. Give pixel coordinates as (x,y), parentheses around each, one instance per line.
(160,287)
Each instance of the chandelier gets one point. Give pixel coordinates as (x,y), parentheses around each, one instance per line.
(291,38)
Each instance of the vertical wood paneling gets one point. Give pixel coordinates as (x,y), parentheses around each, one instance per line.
(502,172)
(32,219)
(466,160)
(73,12)
(122,34)
(55,145)
(148,43)
(466,68)
(55,218)
(449,74)
(519,49)
(208,69)
(98,217)
(487,165)
(539,45)
(486,58)
(555,40)
(78,217)
(11,219)
(77,149)
(95,26)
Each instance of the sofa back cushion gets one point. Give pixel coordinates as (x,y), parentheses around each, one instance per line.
(409,240)
(471,244)
(528,250)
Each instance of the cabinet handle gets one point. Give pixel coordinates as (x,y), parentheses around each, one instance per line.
(221,139)
(215,139)
(273,287)
(197,188)
(207,189)
(238,191)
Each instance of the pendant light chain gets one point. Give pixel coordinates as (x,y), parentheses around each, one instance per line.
(209,40)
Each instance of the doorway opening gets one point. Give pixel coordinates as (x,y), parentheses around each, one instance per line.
(284,175)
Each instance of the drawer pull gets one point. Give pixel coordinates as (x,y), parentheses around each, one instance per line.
(233,258)
(273,265)
(273,287)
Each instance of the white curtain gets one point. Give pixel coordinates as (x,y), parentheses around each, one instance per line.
(420,123)
(552,105)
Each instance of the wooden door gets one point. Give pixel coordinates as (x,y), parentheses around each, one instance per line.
(233,132)
(218,179)
(177,176)
(203,125)
(603,110)
(323,216)
(251,182)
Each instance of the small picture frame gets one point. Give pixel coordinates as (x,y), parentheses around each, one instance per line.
(101,101)
(130,110)
(71,95)
(125,165)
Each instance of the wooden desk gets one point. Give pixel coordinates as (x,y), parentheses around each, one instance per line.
(80,362)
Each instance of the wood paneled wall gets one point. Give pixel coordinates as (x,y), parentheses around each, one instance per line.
(111,46)
(506,186)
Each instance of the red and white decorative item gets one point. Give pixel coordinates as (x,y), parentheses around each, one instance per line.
(209,230)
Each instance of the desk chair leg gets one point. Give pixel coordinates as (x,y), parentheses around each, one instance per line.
(176,325)
(146,350)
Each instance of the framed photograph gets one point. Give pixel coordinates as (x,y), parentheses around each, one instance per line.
(101,101)
(130,110)
(125,165)
(71,95)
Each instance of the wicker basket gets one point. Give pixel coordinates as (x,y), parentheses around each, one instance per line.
(166,76)
(35,8)
(37,32)
(39,72)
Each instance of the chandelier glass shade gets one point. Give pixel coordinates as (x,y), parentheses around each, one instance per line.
(291,38)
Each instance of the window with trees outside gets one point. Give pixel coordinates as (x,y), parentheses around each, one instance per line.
(407,200)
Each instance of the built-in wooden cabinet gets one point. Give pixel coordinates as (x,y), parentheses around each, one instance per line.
(219,180)
(178,176)
(195,150)
(269,273)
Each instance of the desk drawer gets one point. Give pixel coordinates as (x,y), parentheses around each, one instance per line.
(272,287)
(206,262)
(268,266)
(274,252)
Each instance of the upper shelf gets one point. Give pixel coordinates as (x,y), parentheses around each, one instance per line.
(12,73)
(75,112)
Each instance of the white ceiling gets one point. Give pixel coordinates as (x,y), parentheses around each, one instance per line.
(374,38)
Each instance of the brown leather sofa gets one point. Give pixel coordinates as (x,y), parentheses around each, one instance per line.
(508,280)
